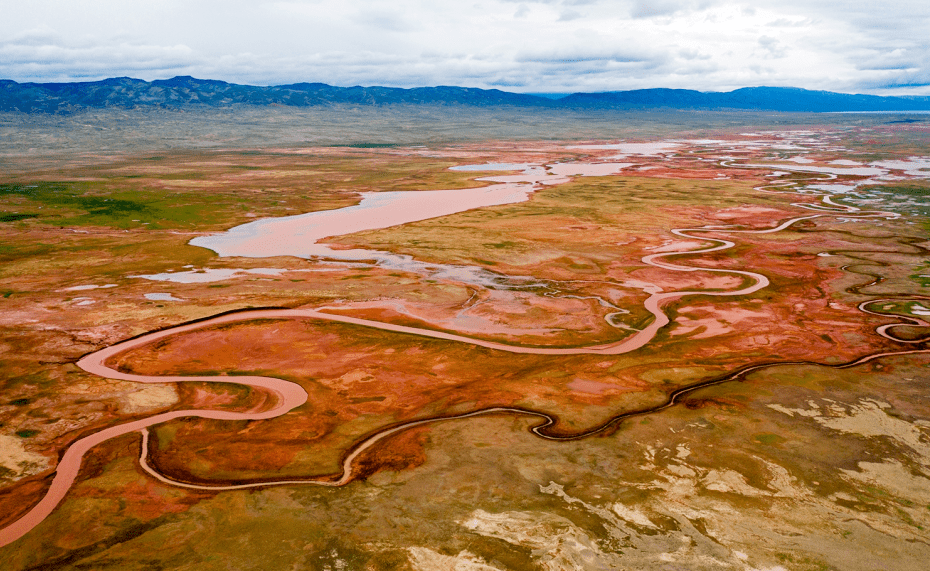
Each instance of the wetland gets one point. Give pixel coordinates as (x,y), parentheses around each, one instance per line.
(708,351)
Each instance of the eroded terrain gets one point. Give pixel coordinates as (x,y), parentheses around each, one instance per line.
(458,387)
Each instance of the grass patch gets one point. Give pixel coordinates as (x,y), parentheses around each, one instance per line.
(79,204)
(366,145)
(14,217)
(768,439)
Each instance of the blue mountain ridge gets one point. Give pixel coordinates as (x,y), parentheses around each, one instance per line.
(187,92)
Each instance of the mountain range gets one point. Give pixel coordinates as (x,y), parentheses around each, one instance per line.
(187,92)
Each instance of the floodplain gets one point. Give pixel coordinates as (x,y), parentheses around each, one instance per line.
(474,397)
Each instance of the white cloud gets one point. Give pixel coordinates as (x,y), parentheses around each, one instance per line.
(521,45)
(652,8)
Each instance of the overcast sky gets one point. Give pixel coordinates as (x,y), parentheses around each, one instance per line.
(516,45)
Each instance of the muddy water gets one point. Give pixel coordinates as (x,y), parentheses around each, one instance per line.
(493,167)
(286,397)
(302,235)
(299,235)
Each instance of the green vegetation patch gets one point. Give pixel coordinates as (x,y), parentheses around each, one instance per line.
(768,439)
(910,189)
(80,204)
(367,145)
(908,308)
(14,217)
(922,277)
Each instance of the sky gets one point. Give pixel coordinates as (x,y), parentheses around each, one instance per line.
(554,46)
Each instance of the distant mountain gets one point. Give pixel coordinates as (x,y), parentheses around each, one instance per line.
(747,98)
(188,92)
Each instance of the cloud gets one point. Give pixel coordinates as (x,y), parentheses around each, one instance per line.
(525,45)
(652,8)
(384,20)
(39,36)
(579,54)
(772,46)
(692,54)
(46,55)
(894,59)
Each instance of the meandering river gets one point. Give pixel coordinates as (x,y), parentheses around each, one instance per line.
(301,235)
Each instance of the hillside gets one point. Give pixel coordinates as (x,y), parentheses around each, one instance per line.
(188,92)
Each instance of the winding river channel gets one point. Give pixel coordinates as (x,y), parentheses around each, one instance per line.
(286,396)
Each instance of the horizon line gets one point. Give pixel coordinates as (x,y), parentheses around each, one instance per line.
(545,94)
